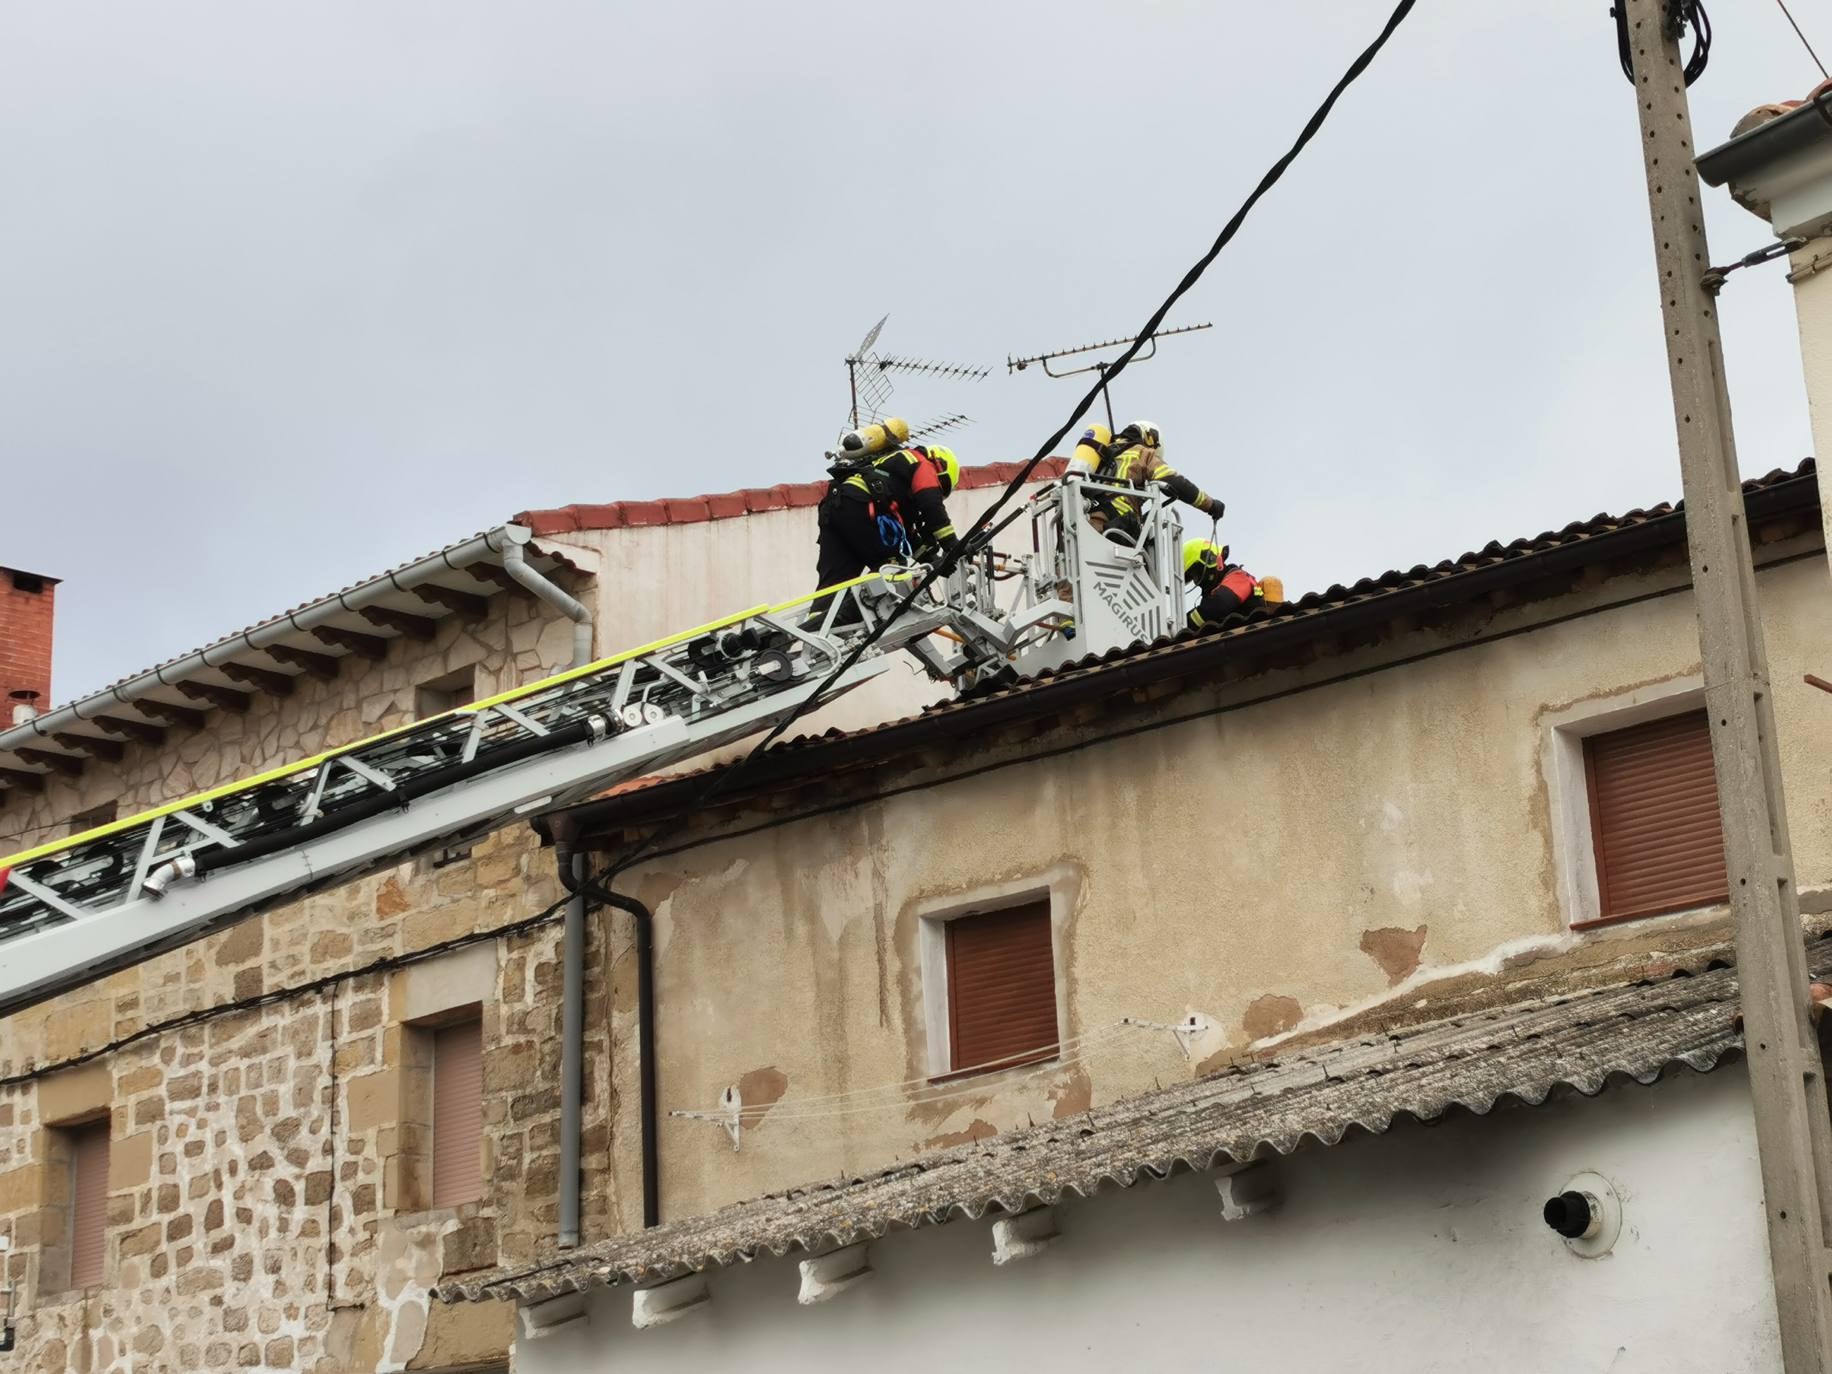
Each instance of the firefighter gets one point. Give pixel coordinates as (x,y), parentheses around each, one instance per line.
(1227,588)
(883,508)
(1133,457)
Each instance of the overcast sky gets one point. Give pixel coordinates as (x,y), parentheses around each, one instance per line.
(291,293)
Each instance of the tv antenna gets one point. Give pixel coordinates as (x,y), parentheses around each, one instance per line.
(1045,359)
(868,378)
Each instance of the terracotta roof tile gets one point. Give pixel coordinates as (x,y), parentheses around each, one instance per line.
(729,505)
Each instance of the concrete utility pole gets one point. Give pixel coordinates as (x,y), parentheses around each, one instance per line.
(1793,1131)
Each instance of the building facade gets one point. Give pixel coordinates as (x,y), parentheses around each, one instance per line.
(230,1156)
(1394,1220)
(1369,803)
(990,961)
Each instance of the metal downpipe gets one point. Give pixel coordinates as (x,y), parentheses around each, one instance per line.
(572,1052)
(515,563)
(572,873)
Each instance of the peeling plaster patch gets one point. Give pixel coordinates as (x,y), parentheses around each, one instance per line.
(1072,1095)
(1271,1014)
(661,925)
(1217,1061)
(1624,691)
(1397,951)
(939,1109)
(406,1268)
(977,1129)
(1508,954)
(759,1090)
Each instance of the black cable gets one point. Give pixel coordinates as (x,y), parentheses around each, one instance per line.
(968,544)
(1679,13)
(386,964)
(970,541)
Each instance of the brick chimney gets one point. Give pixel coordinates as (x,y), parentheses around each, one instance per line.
(25,644)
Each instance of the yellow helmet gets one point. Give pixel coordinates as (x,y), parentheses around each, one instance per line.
(1199,555)
(950,465)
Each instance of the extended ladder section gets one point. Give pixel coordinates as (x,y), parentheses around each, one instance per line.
(75,909)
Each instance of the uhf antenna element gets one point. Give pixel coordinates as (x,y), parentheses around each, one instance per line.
(940,424)
(1044,360)
(868,378)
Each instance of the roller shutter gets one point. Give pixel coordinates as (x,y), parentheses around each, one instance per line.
(1654,818)
(88,1202)
(1001,988)
(457,1114)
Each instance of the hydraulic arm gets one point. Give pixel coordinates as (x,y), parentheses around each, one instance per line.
(75,909)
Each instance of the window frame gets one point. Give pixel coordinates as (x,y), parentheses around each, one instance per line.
(1569,789)
(469,1019)
(58,1279)
(1060,888)
(424,998)
(102,1128)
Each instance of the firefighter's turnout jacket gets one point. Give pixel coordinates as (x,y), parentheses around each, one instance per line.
(1133,458)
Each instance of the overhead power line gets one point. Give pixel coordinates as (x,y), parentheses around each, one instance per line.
(725,777)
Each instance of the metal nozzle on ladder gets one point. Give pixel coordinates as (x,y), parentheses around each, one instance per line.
(162,877)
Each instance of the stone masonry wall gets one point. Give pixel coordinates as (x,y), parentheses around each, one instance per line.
(259,1215)
(256,1214)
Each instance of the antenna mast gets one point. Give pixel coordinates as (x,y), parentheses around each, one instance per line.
(868,380)
(1045,359)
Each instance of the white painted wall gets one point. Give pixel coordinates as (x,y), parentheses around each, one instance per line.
(1813,307)
(1795,192)
(1422,1250)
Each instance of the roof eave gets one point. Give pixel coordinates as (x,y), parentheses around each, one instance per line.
(1185,655)
(201,669)
(1738,158)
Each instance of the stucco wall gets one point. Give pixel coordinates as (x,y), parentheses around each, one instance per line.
(1326,837)
(1421,1250)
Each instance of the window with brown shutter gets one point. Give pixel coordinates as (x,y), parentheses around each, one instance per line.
(457,1165)
(1654,820)
(1001,989)
(88,1147)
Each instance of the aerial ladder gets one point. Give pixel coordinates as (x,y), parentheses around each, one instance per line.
(76,909)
